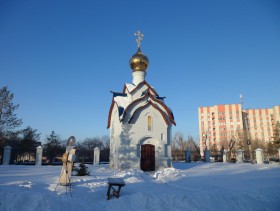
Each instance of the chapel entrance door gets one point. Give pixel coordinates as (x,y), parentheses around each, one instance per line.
(148,157)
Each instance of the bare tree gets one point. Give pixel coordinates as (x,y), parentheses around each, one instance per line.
(178,146)
(276,135)
(234,141)
(85,149)
(105,151)
(193,146)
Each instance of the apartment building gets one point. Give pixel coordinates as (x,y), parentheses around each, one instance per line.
(219,124)
(261,122)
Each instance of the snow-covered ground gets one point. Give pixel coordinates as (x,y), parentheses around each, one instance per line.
(187,186)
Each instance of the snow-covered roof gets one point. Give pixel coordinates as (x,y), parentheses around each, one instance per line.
(171,112)
(125,102)
(130,87)
(160,98)
(115,94)
(122,103)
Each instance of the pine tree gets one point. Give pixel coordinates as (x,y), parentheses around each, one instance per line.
(29,142)
(53,147)
(8,119)
(82,170)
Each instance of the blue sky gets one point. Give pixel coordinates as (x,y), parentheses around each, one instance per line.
(61,59)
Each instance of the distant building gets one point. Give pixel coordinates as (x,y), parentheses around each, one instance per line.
(140,123)
(261,122)
(220,123)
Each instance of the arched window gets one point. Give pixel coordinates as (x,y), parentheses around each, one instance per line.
(149,123)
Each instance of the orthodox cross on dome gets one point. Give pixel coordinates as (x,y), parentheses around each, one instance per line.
(139,37)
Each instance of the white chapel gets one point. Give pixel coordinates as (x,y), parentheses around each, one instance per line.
(140,122)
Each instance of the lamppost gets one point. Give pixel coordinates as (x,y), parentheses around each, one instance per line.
(204,140)
(246,129)
(206,150)
(230,146)
(250,149)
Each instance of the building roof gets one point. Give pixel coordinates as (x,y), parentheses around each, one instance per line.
(132,88)
(122,102)
(150,95)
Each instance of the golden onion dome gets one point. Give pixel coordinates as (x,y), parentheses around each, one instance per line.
(139,62)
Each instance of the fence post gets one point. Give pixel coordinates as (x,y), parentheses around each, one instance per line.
(225,156)
(7,155)
(279,154)
(187,156)
(259,156)
(96,156)
(239,156)
(39,153)
(207,155)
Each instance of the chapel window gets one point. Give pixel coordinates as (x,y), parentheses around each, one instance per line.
(149,123)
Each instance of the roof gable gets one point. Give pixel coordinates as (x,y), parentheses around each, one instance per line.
(131,88)
(124,104)
(141,108)
(148,94)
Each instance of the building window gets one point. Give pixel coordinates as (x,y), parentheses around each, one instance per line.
(149,123)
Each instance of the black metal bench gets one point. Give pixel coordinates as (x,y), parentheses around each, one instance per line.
(114,187)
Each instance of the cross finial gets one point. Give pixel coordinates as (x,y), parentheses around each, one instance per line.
(139,37)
